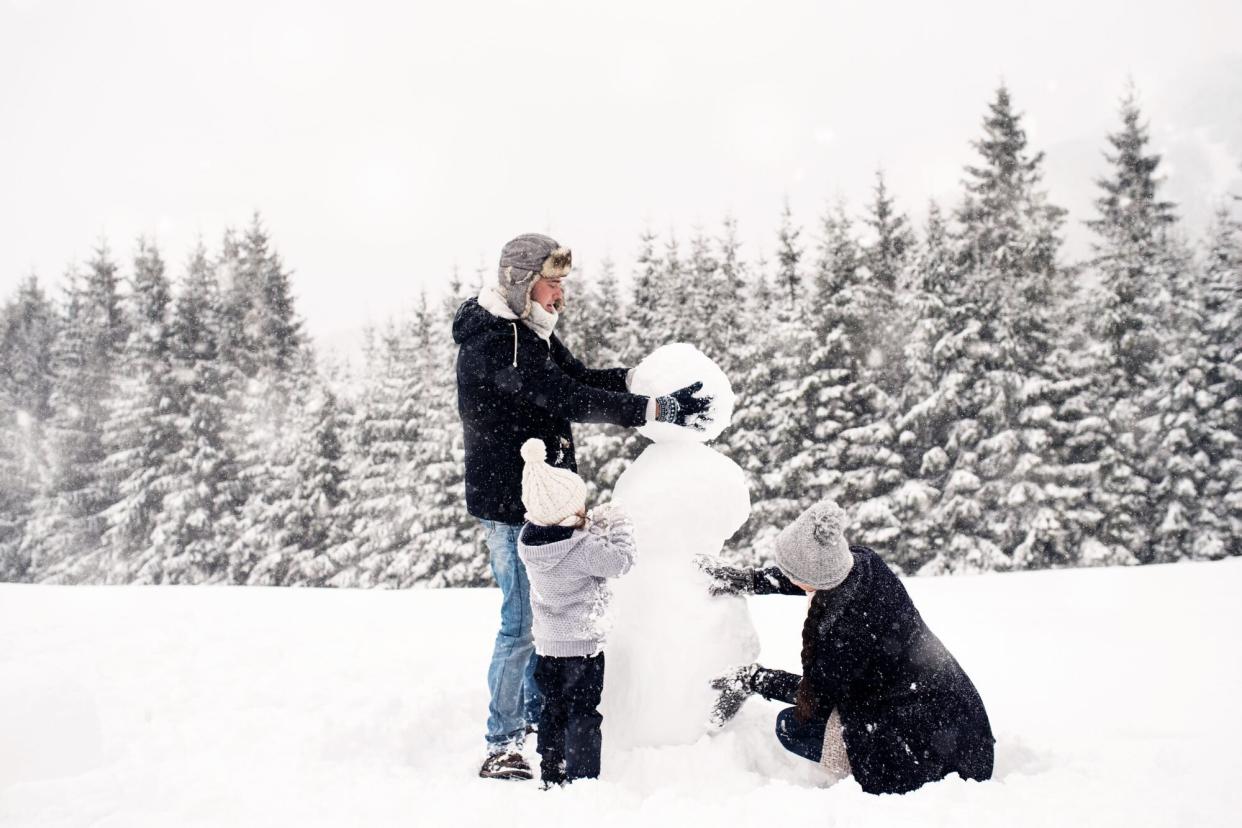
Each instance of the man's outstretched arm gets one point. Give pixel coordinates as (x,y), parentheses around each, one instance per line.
(538,379)
(607,379)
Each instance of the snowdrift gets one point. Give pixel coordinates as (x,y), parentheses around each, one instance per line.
(1113,693)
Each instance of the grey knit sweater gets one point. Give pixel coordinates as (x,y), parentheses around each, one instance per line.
(568,571)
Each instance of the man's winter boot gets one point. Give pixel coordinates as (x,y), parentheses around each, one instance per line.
(505,766)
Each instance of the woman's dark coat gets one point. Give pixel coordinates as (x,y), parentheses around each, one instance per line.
(910,713)
(511,386)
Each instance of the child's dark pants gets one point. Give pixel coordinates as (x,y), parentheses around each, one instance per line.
(569,728)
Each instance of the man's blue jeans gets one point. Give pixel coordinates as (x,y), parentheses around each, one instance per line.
(516,700)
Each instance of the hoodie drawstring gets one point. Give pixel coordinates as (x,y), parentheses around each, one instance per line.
(514,344)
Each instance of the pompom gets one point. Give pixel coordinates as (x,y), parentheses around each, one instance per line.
(534,451)
(828,522)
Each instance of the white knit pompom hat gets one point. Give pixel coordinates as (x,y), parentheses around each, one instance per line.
(552,496)
(812,550)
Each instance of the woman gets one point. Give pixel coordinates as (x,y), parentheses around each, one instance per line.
(880,696)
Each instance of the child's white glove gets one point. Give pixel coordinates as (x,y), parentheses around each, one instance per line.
(607,513)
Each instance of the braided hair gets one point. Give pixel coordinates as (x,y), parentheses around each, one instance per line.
(804,699)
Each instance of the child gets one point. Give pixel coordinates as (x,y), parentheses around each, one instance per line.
(568,557)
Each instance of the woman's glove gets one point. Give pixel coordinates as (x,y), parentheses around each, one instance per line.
(734,687)
(725,579)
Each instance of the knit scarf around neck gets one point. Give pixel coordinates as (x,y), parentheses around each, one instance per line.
(538,320)
(541,321)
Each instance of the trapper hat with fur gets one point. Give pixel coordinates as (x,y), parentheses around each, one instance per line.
(525,259)
(812,550)
(552,496)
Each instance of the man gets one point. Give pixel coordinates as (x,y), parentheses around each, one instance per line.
(516,380)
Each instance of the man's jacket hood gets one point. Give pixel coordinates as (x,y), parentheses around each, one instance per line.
(472,320)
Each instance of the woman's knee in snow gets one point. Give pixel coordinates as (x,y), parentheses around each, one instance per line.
(785,725)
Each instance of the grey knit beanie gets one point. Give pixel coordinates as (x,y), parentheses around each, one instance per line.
(812,550)
(525,259)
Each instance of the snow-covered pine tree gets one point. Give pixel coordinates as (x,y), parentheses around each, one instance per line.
(322,517)
(672,295)
(1082,447)
(924,406)
(263,431)
(1006,245)
(406,560)
(751,445)
(261,329)
(141,432)
(307,518)
(856,453)
(28,328)
(728,305)
(1130,261)
(67,514)
(840,344)
(1008,227)
(722,308)
(1192,524)
(893,240)
(1053,507)
(772,421)
(1222,413)
(612,309)
(886,258)
(1015,234)
(1049,515)
(236,296)
(585,309)
(28,332)
(960,515)
(788,261)
(447,547)
(645,318)
(787,479)
(198,518)
(1131,229)
(385,433)
(353,397)
(699,320)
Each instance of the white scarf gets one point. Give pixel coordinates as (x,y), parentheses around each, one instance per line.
(541,321)
(538,320)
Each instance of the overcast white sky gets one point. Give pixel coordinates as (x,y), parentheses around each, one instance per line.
(385,142)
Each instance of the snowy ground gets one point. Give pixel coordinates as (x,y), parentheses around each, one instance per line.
(1115,696)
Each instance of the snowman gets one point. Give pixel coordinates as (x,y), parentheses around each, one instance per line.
(669,638)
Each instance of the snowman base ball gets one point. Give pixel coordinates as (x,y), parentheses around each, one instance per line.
(673,367)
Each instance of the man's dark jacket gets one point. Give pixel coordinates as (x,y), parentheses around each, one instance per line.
(910,714)
(511,386)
